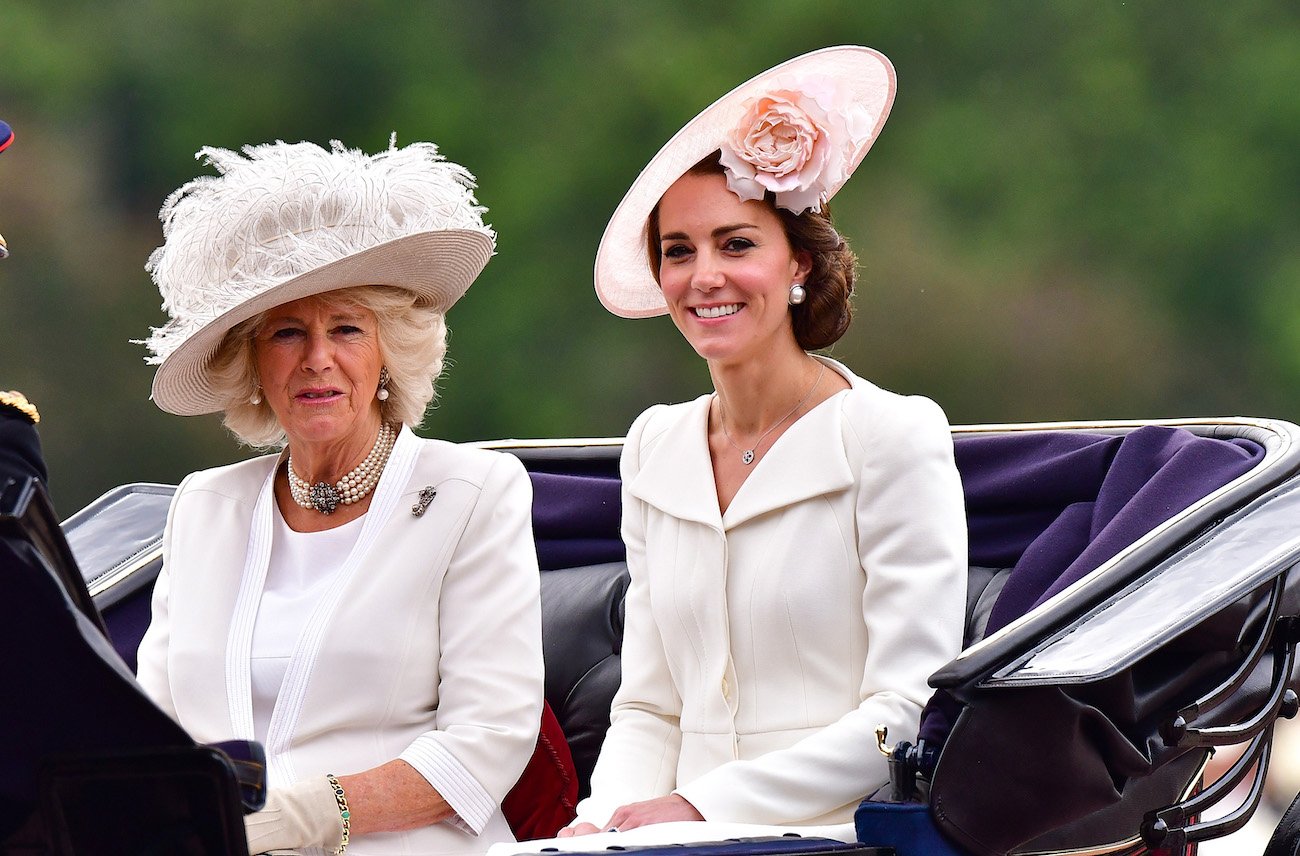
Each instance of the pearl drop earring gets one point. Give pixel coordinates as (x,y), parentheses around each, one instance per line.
(256,397)
(382,394)
(797,294)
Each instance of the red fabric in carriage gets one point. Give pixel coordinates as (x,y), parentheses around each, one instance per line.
(545,798)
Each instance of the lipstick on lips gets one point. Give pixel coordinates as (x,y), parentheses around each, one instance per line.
(318,394)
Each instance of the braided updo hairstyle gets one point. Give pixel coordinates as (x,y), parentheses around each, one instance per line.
(826,313)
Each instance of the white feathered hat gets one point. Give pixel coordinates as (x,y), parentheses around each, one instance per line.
(285,221)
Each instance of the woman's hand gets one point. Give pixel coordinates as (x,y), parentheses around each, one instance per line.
(577,829)
(658,810)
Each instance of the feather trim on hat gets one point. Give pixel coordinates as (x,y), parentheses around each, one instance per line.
(280,210)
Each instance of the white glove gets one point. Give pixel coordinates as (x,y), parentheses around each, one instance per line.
(302,815)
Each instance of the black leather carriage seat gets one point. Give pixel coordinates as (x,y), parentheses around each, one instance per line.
(584,581)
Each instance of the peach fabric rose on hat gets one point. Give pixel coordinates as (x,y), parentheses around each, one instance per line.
(796,141)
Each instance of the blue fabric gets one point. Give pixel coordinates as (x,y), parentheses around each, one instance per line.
(906,827)
(768,845)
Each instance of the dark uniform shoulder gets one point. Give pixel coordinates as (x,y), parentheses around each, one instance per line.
(20,447)
(16,405)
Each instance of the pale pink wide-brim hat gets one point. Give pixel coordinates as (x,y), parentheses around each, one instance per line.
(852,80)
(286,221)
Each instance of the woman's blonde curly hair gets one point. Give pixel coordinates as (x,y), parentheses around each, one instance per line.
(412,342)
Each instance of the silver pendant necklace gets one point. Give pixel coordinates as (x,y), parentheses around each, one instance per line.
(747,455)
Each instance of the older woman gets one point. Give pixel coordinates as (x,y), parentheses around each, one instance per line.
(363,602)
(796,538)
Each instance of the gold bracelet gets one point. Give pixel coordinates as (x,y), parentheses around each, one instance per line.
(342,799)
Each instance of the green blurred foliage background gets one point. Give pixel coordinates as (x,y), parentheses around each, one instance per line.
(1077,210)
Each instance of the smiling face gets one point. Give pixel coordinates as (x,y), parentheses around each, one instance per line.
(318,363)
(726,267)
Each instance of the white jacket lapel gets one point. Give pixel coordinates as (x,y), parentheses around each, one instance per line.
(239,642)
(676,474)
(807,460)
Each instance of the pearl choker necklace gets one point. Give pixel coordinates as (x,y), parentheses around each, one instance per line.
(353,487)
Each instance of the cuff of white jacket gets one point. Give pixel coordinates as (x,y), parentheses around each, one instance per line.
(448,776)
(593,812)
(701,798)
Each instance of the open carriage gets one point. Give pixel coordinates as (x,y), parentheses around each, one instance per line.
(1130,607)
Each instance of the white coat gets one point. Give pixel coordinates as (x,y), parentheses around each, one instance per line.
(763,646)
(427,645)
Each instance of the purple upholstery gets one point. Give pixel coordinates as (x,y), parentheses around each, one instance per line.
(575,520)
(127,621)
(1054,506)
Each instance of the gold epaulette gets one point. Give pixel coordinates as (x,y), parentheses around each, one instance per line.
(19,402)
